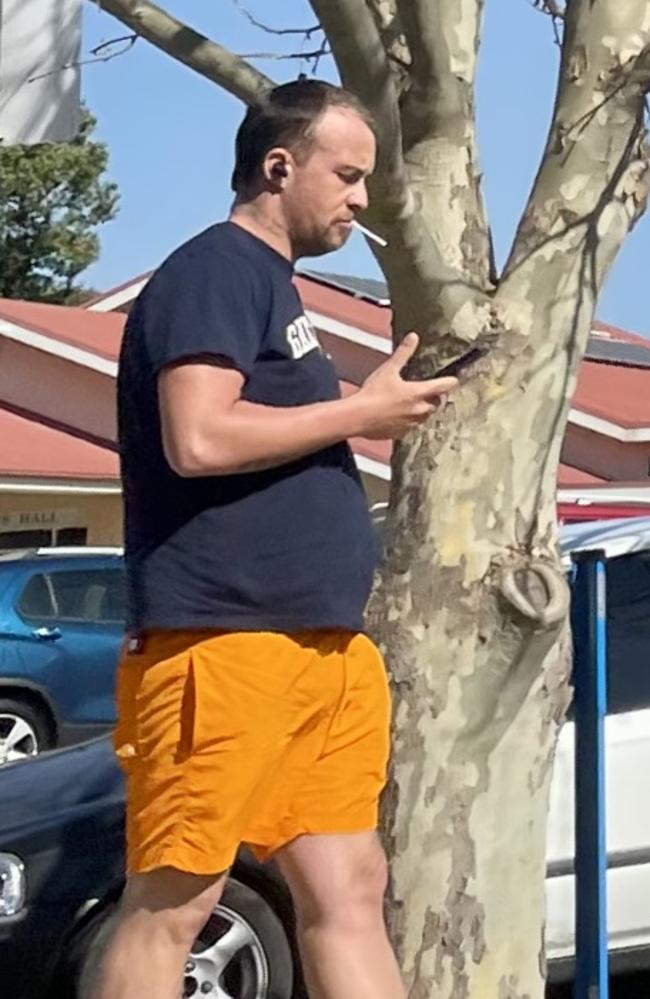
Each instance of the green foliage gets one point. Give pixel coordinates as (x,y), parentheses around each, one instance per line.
(52,198)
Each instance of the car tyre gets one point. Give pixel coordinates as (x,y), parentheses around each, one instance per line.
(262,969)
(24,729)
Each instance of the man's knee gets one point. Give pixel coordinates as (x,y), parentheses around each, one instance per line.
(172,903)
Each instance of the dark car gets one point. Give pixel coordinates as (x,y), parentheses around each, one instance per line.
(61,875)
(61,625)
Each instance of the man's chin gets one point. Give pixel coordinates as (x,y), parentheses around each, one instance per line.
(330,241)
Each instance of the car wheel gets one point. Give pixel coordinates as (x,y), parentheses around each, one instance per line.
(24,731)
(242,952)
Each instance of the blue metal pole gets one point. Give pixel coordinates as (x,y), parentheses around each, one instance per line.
(588,621)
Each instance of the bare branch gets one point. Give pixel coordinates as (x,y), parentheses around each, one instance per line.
(206,57)
(127,42)
(307,32)
(314,54)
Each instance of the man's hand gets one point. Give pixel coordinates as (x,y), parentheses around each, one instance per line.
(392,406)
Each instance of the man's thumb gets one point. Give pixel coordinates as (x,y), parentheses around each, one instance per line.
(405,350)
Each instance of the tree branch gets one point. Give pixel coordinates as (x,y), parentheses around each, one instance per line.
(593,182)
(313,54)
(102,53)
(413,261)
(206,57)
(438,119)
(364,68)
(307,32)
(385,15)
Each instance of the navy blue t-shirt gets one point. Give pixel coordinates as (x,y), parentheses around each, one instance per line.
(284,549)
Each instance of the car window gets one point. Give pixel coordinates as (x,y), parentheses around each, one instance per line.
(628,632)
(36,601)
(91,595)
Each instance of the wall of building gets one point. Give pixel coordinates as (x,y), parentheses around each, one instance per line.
(100,516)
(605,456)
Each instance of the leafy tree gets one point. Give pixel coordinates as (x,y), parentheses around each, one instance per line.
(52,199)
(471,603)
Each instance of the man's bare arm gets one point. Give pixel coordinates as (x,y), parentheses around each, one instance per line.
(208,429)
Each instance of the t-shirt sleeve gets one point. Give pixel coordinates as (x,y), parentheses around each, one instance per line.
(203,304)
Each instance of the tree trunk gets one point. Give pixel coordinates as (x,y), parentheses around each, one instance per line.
(470,608)
(471,604)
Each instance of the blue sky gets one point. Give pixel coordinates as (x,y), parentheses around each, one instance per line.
(170,135)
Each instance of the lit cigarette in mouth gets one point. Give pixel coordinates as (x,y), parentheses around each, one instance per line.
(369,233)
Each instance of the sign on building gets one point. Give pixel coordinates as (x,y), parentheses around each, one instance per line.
(40,46)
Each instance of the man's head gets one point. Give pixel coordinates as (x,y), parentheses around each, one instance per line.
(304,151)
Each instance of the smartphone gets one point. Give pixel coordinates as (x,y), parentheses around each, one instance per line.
(452,369)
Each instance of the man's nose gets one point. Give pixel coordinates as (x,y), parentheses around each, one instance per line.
(358,199)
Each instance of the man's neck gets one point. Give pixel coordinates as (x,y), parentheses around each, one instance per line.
(261,224)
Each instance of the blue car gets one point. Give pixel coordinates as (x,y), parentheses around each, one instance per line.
(61,625)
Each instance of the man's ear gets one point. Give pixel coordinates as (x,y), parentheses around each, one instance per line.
(277,167)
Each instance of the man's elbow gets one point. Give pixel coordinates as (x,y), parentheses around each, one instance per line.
(192,459)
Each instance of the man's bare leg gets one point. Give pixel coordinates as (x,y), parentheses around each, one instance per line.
(161,914)
(338,883)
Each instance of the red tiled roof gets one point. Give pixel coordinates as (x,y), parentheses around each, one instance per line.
(614,392)
(32,448)
(345,308)
(98,332)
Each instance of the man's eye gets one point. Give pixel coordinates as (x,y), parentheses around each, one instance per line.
(349,178)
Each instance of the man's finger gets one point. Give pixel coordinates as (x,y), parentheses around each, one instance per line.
(434,388)
(404,351)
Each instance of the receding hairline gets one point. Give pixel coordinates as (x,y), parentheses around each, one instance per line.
(306,143)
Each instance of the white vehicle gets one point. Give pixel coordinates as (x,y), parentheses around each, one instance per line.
(627,747)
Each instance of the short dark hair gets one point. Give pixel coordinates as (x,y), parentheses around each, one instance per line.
(285,116)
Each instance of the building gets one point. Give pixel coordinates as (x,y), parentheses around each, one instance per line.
(59,477)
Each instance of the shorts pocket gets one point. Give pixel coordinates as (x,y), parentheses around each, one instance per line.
(155,702)
(125,733)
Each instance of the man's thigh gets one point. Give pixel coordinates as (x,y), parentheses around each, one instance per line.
(331,873)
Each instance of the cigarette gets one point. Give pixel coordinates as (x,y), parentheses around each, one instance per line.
(369,233)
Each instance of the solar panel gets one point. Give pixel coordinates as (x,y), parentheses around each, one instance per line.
(617,352)
(369,288)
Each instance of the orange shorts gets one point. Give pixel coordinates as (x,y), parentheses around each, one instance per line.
(252,737)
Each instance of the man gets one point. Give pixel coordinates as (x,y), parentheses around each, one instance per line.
(252,708)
